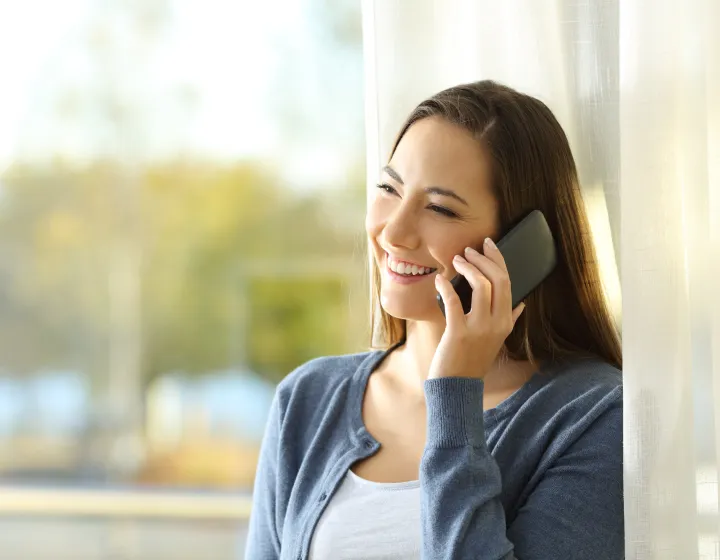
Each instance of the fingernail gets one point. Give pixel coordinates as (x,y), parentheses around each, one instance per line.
(459,258)
(489,243)
(471,251)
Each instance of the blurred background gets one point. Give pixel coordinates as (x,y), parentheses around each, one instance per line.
(182,195)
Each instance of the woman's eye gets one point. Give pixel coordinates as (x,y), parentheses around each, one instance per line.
(437,209)
(387,188)
(443,211)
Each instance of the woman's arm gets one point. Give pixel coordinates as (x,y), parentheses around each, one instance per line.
(263,541)
(574,512)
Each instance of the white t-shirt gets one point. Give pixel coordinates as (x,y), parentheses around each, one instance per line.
(367,520)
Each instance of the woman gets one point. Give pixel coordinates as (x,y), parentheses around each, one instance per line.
(491,435)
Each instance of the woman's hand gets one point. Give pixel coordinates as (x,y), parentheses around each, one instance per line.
(471,343)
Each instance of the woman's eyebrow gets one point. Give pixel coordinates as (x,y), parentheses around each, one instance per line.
(394,174)
(432,190)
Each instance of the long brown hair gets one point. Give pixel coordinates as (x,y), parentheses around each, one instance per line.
(567,316)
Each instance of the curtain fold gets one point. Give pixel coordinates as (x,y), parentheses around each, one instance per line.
(636,86)
(669,102)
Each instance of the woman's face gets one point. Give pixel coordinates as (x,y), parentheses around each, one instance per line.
(434,200)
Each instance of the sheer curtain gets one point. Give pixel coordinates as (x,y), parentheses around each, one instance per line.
(636,85)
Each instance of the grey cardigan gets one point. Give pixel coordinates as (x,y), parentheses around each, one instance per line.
(539,477)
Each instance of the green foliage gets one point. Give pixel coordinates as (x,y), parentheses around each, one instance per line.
(295,320)
(196,236)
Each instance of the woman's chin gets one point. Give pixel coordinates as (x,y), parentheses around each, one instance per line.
(409,310)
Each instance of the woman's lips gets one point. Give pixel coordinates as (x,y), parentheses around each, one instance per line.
(405,278)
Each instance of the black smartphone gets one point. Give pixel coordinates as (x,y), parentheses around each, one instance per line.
(530,255)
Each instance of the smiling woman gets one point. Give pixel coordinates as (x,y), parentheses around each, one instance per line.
(518,160)
(492,434)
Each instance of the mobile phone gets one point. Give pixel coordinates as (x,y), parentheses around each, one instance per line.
(530,255)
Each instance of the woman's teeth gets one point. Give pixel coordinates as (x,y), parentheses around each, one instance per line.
(407,269)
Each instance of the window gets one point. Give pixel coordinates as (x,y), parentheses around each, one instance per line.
(182,195)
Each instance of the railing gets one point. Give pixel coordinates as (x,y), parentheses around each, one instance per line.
(125,502)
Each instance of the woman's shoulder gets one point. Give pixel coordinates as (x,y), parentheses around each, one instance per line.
(572,394)
(588,378)
(314,398)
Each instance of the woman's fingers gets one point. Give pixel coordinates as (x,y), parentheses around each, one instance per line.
(481,286)
(492,266)
(491,251)
(517,312)
(492,293)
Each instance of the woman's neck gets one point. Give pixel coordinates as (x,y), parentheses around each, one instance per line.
(411,361)
(422,339)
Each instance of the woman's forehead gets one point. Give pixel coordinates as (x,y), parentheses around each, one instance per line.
(434,152)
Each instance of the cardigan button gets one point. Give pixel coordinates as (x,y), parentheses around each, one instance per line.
(323,497)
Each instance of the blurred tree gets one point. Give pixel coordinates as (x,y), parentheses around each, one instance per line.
(294,320)
(201,225)
(125,268)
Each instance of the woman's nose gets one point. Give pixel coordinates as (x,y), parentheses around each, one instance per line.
(401,228)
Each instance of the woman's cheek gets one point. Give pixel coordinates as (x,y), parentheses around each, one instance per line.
(376,215)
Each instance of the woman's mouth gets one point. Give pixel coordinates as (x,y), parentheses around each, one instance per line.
(404,273)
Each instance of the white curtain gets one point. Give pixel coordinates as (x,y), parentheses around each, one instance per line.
(636,85)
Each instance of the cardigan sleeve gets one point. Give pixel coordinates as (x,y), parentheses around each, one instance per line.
(574,511)
(263,540)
